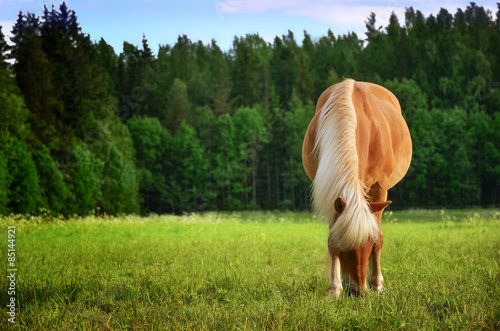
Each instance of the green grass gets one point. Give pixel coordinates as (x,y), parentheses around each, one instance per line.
(249,271)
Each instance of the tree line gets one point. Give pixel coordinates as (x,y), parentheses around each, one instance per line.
(193,128)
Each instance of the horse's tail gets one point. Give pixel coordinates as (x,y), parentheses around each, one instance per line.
(337,173)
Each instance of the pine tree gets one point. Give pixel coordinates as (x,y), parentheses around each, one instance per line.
(178,107)
(284,63)
(3,184)
(22,178)
(108,62)
(249,70)
(153,152)
(296,181)
(54,192)
(3,51)
(229,171)
(85,180)
(190,171)
(34,74)
(250,135)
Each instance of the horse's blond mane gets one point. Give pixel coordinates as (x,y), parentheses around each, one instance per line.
(337,173)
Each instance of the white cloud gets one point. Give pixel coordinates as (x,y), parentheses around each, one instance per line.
(253,6)
(342,16)
(346,17)
(351,16)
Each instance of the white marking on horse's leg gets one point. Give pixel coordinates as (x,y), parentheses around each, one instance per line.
(375,278)
(335,281)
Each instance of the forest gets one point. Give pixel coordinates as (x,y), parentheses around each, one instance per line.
(193,128)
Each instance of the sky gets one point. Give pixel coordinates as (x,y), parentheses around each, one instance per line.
(163,21)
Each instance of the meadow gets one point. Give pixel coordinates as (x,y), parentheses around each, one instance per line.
(248,270)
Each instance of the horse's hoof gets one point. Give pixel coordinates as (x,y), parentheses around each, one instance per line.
(335,293)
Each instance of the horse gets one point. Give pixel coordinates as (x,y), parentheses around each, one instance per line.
(356,147)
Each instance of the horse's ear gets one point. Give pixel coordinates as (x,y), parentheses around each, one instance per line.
(339,205)
(379,206)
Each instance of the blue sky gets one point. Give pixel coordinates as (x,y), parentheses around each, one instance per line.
(162,21)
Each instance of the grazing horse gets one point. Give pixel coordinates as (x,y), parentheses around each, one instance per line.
(356,147)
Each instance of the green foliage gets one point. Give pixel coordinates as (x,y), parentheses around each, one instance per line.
(410,97)
(23,189)
(152,144)
(178,107)
(244,112)
(3,50)
(33,72)
(54,193)
(250,69)
(442,138)
(297,121)
(13,112)
(85,176)
(228,171)
(250,135)
(110,142)
(284,67)
(189,171)
(3,184)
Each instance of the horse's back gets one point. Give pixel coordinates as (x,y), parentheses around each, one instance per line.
(383,139)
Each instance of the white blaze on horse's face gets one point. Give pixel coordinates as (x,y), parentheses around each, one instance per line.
(351,284)
(351,263)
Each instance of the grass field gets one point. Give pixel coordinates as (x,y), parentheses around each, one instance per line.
(248,271)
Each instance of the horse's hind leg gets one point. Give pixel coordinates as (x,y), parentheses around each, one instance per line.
(375,278)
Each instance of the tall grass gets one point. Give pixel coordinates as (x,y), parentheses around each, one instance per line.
(249,271)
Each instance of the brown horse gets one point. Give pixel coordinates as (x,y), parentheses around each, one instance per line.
(356,147)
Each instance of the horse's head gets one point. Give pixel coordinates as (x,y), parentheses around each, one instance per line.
(354,262)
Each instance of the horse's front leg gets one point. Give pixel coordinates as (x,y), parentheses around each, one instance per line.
(335,281)
(375,278)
